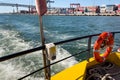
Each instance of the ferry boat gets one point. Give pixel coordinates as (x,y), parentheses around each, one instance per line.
(104,66)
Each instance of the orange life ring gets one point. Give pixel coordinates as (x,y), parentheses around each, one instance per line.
(105,36)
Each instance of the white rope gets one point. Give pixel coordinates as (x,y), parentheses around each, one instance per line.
(96,50)
(107,76)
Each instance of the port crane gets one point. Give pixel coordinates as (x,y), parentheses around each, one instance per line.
(23,5)
(49,3)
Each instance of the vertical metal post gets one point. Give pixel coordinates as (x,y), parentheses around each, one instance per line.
(113,35)
(29,9)
(48,70)
(17,8)
(89,47)
(45,60)
(41,9)
(13,10)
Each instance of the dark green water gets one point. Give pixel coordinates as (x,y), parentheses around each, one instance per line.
(21,32)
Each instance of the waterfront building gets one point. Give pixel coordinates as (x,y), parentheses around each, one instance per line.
(103,9)
(53,11)
(63,11)
(71,10)
(110,8)
(74,8)
(91,9)
(33,11)
(118,9)
(79,10)
(98,9)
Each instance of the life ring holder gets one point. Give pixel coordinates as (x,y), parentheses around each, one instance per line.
(103,37)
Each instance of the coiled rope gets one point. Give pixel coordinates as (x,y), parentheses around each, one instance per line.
(100,72)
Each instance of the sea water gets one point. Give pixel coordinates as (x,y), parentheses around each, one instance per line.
(22,32)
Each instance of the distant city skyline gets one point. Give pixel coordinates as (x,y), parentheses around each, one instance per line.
(58,3)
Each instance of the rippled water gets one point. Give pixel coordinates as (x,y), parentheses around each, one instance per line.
(21,32)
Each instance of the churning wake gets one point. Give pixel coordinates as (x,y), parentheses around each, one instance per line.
(11,42)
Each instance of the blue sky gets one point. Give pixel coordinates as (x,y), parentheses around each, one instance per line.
(58,3)
(66,3)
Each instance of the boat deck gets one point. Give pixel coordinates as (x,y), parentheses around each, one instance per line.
(78,71)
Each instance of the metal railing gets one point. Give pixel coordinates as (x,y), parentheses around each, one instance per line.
(89,37)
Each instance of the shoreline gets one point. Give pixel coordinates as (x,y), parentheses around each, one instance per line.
(105,14)
(83,14)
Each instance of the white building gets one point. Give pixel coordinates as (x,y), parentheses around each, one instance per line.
(102,9)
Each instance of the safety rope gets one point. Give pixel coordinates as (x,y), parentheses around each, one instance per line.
(101,72)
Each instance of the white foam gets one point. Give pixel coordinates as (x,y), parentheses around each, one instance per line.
(83,44)
(2,51)
(10,39)
(10,43)
(65,36)
(61,54)
(9,72)
(12,70)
